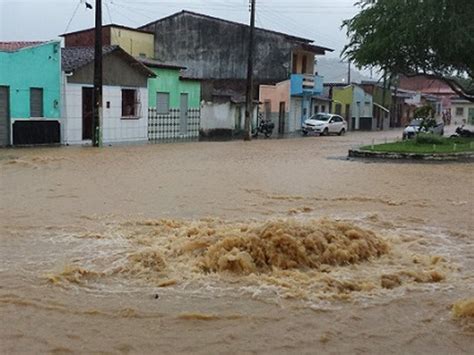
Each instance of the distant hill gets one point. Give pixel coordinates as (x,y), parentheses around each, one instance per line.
(335,71)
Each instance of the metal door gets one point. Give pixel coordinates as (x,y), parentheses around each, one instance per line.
(183,116)
(4,116)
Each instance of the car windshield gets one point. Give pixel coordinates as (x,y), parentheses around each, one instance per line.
(321,117)
(415,123)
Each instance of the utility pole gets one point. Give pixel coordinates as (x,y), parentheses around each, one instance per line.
(97,112)
(349,79)
(249,96)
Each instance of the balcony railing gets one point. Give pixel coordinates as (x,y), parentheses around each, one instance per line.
(306,84)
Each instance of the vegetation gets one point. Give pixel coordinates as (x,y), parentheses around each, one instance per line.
(410,37)
(425,144)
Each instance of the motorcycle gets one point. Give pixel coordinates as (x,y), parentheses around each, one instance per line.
(463,133)
(266,128)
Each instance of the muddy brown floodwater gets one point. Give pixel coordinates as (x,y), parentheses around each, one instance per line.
(278,246)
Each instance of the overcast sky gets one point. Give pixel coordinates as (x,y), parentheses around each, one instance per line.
(319,20)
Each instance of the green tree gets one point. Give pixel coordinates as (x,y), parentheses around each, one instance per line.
(411,37)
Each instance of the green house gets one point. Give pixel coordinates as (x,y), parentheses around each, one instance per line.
(174,103)
(30,93)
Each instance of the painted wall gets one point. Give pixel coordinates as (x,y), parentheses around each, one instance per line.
(33,67)
(168,81)
(115,129)
(342,96)
(276,94)
(299,82)
(133,42)
(468,113)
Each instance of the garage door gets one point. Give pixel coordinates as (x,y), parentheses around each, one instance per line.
(4,117)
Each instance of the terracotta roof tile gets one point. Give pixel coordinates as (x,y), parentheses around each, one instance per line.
(15,46)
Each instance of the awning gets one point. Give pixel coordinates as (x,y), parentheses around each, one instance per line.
(381,107)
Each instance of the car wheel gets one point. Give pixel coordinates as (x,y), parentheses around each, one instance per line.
(343,131)
(305,133)
(325,132)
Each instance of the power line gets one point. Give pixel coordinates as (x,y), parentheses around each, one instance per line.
(72,17)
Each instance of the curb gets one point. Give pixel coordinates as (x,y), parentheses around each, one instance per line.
(466,156)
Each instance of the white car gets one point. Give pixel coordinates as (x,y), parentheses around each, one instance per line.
(325,124)
(415,127)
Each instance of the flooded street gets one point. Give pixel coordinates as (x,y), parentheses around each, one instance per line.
(273,246)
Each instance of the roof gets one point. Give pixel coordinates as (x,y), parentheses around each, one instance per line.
(425,85)
(287,36)
(153,63)
(77,57)
(15,46)
(107,26)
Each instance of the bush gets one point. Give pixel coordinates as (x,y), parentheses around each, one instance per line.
(429,138)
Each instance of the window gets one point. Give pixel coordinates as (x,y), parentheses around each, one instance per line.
(323,108)
(338,109)
(36,102)
(162,103)
(129,103)
(459,111)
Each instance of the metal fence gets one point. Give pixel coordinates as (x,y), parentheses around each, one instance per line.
(172,127)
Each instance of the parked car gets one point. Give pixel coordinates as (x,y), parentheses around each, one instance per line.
(325,124)
(417,126)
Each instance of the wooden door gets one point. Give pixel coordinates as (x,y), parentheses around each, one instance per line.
(87,112)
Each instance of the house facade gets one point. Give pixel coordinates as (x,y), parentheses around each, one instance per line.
(355,105)
(462,112)
(215,51)
(30,93)
(174,103)
(125,96)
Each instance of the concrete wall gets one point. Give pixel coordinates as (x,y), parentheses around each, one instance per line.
(115,129)
(33,67)
(117,72)
(214,49)
(133,42)
(224,116)
(168,81)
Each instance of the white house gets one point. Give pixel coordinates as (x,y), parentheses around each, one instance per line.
(125,96)
(462,111)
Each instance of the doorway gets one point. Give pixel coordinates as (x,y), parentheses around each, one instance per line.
(87,112)
(282,118)
(183,114)
(4,116)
